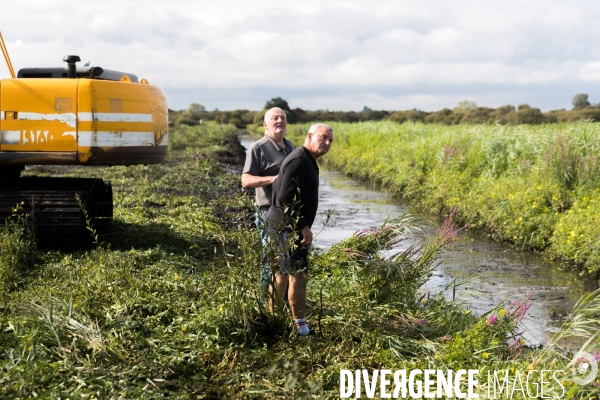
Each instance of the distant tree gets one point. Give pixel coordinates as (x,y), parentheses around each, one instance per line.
(523,107)
(193,113)
(291,117)
(350,116)
(466,105)
(477,115)
(259,117)
(222,117)
(505,109)
(235,118)
(299,113)
(444,116)
(375,115)
(500,114)
(526,115)
(591,114)
(277,102)
(196,108)
(408,115)
(283,104)
(580,101)
(247,117)
(183,119)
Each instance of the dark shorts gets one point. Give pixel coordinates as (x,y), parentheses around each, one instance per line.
(294,259)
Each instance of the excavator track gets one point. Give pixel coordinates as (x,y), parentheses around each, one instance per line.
(54,205)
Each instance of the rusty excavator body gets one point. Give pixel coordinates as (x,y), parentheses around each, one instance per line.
(73,116)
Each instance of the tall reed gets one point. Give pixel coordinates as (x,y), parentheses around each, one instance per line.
(532,186)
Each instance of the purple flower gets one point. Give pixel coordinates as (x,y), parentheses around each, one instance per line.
(516,345)
(492,319)
(517,309)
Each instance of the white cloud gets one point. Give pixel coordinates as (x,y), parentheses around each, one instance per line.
(467,48)
(590,72)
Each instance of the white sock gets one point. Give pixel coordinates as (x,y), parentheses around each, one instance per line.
(301,326)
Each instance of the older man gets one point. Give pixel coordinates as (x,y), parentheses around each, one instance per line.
(263,159)
(294,207)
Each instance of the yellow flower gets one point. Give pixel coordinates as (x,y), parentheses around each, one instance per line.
(502,312)
(176,277)
(485,354)
(467,312)
(423,301)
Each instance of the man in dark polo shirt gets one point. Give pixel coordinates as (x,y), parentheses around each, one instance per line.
(263,159)
(294,207)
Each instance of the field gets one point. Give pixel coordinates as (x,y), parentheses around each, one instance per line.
(536,187)
(167,303)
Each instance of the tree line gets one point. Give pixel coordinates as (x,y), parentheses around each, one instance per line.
(466,112)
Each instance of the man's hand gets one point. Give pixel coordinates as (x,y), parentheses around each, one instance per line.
(307,236)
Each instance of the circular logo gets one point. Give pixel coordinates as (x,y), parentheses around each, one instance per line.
(584,368)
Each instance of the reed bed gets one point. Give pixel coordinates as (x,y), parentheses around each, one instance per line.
(536,187)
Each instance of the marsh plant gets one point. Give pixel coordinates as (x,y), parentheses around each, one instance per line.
(168,303)
(16,255)
(532,186)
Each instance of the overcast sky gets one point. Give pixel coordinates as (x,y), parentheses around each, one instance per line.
(337,55)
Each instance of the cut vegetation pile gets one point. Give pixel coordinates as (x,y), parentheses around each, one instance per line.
(167,304)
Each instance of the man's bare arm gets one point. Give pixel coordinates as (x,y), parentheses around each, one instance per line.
(253,181)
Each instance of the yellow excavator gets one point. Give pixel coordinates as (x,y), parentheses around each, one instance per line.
(73,115)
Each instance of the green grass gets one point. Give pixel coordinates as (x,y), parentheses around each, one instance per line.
(168,303)
(533,186)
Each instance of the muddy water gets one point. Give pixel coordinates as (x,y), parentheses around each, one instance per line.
(498,272)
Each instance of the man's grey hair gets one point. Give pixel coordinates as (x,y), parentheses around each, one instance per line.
(315,127)
(271,109)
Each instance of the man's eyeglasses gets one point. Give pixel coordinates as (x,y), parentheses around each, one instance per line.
(325,137)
